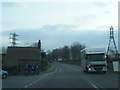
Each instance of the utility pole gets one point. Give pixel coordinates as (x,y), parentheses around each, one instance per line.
(13,38)
(112,49)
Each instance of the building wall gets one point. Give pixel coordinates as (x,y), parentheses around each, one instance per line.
(2,59)
(14,54)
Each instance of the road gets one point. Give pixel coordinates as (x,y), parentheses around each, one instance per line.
(63,76)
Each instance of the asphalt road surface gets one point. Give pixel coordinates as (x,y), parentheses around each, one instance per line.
(63,76)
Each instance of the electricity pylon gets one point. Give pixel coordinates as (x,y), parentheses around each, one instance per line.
(112,49)
(13,39)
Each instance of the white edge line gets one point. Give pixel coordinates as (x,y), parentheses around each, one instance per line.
(25,86)
(91,83)
(98,85)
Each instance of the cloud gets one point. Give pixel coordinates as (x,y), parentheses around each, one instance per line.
(5,40)
(9,4)
(59,1)
(84,15)
(107,12)
(86,20)
(100,4)
(59,27)
(14,4)
(54,36)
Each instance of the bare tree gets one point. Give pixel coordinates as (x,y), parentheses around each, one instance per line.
(34,45)
(55,54)
(49,55)
(75,50)
(66,53)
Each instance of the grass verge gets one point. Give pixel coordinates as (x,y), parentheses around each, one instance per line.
(47,67)
(114,72)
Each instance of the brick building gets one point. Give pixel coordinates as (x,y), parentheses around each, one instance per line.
(18,56)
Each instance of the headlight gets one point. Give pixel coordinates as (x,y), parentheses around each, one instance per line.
(89,69)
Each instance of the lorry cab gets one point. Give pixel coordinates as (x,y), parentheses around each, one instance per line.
(93,60)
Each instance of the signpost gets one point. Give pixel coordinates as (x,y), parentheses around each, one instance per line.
(116,66)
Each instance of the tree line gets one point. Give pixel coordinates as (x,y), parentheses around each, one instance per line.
(66,53)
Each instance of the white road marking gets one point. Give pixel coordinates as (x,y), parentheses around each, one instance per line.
(98,85)
(91,83)
(37,80)
(25,86)
(95,85)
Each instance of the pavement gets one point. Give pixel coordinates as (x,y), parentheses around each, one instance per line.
(63,76)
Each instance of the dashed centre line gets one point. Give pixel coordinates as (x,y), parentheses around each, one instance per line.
(37,80)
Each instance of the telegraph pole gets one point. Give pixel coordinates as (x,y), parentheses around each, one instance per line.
(13,39)
(112,49)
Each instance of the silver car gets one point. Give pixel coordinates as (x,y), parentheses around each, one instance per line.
(3,73)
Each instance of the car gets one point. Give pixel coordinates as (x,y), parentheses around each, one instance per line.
(3,73)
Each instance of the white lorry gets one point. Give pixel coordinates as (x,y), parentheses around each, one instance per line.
(93,60)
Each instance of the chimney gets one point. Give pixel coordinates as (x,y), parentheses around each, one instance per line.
(39,44)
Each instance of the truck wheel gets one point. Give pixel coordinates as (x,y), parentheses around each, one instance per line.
(84,71)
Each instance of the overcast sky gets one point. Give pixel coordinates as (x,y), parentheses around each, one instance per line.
(59,23)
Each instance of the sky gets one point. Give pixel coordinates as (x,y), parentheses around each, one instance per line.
(59,23)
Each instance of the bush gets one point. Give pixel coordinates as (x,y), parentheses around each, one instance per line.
(44,63)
